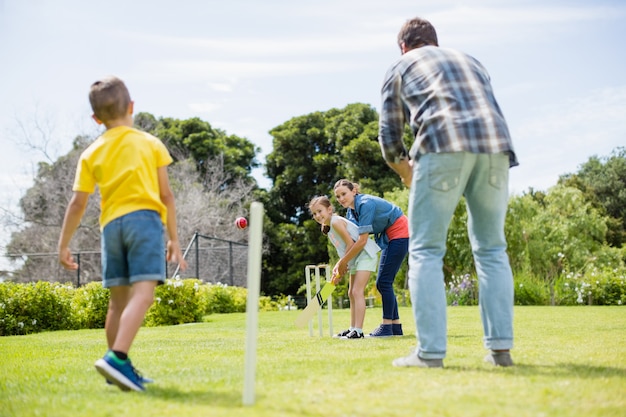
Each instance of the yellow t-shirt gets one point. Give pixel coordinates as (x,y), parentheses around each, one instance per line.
(123,163)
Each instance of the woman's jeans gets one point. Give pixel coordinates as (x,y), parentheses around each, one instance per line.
(391,259)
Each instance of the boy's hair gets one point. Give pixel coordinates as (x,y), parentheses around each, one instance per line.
(325,201)
(417,32)
(352,186)
(109,98)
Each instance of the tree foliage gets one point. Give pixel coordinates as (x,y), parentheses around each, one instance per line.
(197,139)
(562,232)
(313,151)
(603,182)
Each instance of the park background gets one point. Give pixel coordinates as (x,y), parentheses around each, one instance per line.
(273,101)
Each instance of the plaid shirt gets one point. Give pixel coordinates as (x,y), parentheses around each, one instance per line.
(446,98)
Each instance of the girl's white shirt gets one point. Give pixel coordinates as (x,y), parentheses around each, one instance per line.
(371,248)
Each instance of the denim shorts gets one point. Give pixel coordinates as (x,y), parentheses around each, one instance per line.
(133,249)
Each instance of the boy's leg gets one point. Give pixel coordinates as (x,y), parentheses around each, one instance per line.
(117,303)
(140,299)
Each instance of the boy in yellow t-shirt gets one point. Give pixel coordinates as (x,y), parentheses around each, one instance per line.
(130,168)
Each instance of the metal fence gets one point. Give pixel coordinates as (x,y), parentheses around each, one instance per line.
(214,260)
(209,259)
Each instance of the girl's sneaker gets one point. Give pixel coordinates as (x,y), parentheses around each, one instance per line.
(353,335)
(343,334)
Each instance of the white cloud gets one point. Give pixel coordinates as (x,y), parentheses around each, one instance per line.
(223,87)
(187,70)
(556,139)
(204,107)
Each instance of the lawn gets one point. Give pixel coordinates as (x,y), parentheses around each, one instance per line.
(570,361)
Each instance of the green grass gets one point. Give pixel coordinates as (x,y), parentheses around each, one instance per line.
(570,361)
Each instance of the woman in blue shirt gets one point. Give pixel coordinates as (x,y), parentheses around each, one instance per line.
(389,226)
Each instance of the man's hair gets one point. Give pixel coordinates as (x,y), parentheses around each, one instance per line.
(417,32)
(109,98)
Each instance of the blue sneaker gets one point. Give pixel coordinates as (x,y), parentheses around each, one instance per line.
(143,379)
(120,373)
(397,329)
(384,330)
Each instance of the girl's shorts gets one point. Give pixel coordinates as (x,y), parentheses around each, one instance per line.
(364,262)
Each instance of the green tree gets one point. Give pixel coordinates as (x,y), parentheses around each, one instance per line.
(197,139)
(313,151)
(603,182)
(556,233)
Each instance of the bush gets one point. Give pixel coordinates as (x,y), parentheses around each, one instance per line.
(600,287)
(178,301)
(220,298)
(90,305)
(529,291)
(35,307)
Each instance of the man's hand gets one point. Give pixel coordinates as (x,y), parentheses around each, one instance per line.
(404,169)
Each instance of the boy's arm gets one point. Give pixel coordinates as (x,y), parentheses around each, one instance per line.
(174,253)
(73,215)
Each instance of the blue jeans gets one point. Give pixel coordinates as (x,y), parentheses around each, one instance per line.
(133,249)
(391,259)
(439,181)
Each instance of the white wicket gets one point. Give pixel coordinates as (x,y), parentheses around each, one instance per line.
(307,273)
(255,245)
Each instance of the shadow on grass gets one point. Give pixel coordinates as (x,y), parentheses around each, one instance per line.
(561,370)
(196,396)
(556,370)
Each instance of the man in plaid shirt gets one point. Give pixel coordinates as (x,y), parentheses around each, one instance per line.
(462,147)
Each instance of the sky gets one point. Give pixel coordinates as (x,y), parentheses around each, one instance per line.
(247,66)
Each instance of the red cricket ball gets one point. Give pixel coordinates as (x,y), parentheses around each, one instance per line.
(241,222)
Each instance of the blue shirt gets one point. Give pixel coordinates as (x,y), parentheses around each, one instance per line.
(374,215)
(447,99)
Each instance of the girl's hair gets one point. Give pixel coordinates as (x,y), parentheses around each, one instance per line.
(352,186)
(109,99)
(324,201)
